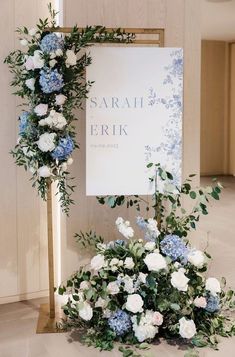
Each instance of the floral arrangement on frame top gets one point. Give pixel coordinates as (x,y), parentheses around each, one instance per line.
(135,291)
(49,74)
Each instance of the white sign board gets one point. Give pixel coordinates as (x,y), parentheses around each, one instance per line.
(133,116)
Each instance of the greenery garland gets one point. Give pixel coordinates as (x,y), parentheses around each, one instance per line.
(50,76)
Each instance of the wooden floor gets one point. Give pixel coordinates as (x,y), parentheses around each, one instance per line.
(18,320)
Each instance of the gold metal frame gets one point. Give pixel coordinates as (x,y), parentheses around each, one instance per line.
(50,314)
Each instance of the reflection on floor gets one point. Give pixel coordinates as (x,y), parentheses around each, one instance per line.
(18,320)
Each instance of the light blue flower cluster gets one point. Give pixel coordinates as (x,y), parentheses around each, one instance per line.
(141,223)
(174,247)
(51,80)
(63,149)
(212,304)
(23,122)
(120,322)
(51,43)
(150,234)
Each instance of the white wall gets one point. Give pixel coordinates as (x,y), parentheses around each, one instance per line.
(23,253)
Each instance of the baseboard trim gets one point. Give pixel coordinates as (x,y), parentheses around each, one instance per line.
(21,297)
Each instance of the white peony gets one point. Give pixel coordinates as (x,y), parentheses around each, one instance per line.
(70,161)
(196,258)
(134,303)
(187,328)
(32,31)
(38,61)
(145,332)
(71,58)
(124,228)
(155,262)
(86,312)
(179,280)
(129,263)
(60,99)
(213,286)
(113,288)
(200,301)
(30,83)
(150,246)
(23,42)
(44,171)
(46,142)
(29,65)
(54,120)
(41,109)
(97,262)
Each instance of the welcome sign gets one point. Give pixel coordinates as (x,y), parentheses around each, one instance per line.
(133,117)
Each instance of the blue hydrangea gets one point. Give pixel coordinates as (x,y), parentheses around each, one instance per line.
(141,223)
(51,43)
(173,247)
(23,122)
(212,303)
(120,322)
(51,80)
(63,149)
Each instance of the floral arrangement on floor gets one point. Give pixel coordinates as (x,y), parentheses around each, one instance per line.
(134,291)
(49,75)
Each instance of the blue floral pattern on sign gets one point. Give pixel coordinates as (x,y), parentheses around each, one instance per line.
(171,147)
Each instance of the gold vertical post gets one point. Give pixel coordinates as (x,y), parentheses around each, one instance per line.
(50,250)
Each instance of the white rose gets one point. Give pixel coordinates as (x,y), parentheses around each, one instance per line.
(42,122)
(134,303)
(150,246)
(114,261)
(101,303)
(59,52)
(155,262)
(30,83)
(157,318)
(97,262)
(52,63)
(200,302)
(86,312)
(179,280)
(32,31)
(84,285)
(44,171)
(46,142)
(71,58)
(213,285)
(187,328)
(38,61)
(142,278)
(129,263)
(70,161)
(60,99)
(41,109)
(196,258)
(128,285)
(29,65)
(23,42)
(113,288)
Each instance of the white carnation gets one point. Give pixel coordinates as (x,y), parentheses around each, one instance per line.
(179,280)
(196,258)
(41,109)
(213,286)
(46,142)
(30,83)
(97,262)
(71,58)
(187,328)
(86,312)
(155,262)
(129,263)
(134,303)
(44,171)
